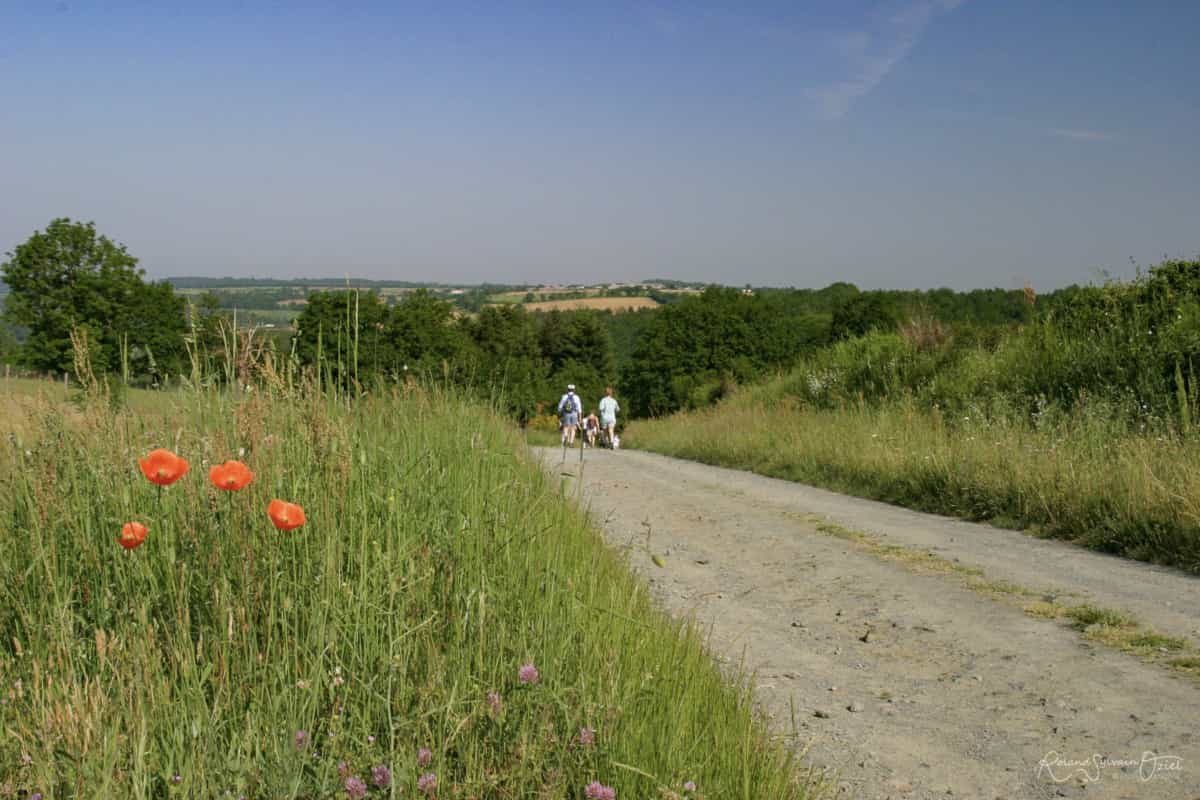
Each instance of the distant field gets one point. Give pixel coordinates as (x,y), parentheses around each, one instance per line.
(507,297)
(232,289)
(278,316)
(601,303)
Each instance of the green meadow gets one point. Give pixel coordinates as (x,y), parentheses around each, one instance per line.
(442,594)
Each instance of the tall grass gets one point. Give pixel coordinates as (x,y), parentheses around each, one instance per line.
(224,658)
(1081,474)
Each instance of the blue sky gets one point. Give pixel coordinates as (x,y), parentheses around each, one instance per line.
(909,143)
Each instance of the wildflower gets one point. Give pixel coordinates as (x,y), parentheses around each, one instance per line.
(132,535)
(370,739)
(26,760)
(163,467)
(494,703)
(587,736)
(427,783)
(598,791)
(35,796)
(381,776)
(527,673)
(285,516)
(343,769)
(176,779)
(355,788)
(230,476)
(301,739)
(424,756)
(690,786)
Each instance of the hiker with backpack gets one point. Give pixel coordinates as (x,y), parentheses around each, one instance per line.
(570,408)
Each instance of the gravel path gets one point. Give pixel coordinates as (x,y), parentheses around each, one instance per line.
(952,694)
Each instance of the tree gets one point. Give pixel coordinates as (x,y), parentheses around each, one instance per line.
(423,331)
(69,277)
(862,314)
(510,364)
(336,327)
(8,346)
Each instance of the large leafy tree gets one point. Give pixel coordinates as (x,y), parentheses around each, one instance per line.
(341,330)
(69,276)
(509,359)
(425,334)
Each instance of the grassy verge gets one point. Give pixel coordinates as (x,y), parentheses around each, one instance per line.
(1076,479)
(225,658)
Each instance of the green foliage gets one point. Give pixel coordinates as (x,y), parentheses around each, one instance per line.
(69,277)
(9,348)
(436,560)
(860,315)
(1080,422)
(518,360)
(718,335)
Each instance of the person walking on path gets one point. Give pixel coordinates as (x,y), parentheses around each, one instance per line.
(570,407)
(591,429)
(608,415)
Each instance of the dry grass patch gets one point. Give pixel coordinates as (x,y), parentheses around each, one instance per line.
(596,303)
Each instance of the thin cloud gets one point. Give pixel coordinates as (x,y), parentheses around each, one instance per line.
(871,53)
(1081,135)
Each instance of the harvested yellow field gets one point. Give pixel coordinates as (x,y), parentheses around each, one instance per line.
(601,303)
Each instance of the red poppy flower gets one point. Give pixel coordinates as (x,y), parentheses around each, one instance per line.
(286,516)
(132,535)
(231,476)
(163,467)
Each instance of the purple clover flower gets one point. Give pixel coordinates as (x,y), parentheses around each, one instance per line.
(424,756)
(690,786)
(355,788)
(381,776)
(343,769)
(587,736)
(598,791)
(528,673)
(301,739)
(427,783)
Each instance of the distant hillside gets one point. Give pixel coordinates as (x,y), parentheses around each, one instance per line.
(197,282)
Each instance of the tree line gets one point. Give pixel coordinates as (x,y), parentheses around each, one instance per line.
(685,354)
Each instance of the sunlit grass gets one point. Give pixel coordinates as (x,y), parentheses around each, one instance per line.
(224,657)
(1080,478)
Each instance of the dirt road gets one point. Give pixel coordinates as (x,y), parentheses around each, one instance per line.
(953,693)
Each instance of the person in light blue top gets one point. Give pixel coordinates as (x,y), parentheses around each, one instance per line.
(608,415)
(570,407)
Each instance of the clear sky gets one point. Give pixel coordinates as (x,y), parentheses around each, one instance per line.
(915,143)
